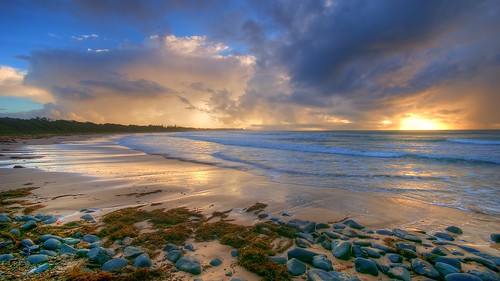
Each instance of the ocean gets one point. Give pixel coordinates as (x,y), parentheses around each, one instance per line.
(457,169)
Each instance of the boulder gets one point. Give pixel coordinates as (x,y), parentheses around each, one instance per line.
(6,257)
(143,260)
(67,250)
(52,244)
(343,251)
(366,266)
(295,267)
(100,255)
(131,252)
(174,255)
(189,264)
(114,264)
(301,254)
(89,238)
(399,273)
(445,269)
(36,259)
(29,225)
(302,226)
(424,268)
(322,262)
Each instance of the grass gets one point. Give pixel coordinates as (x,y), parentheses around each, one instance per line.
(257,260)
(30,209)
(78,273)
(15,193)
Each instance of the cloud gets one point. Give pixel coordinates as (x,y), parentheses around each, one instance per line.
(12,85)
(84,37)
(158,82)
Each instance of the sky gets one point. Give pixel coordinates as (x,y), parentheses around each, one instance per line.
(271,65)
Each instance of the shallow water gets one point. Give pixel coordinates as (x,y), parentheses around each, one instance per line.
(458,169)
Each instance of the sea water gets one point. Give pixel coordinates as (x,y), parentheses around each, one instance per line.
(458,169)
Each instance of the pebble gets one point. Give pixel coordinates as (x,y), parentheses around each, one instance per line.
(353,224)
(301,225)
(394,258)
(444,235)
(424,268)
(322,262)
(143,260)
(114,264)
(6,257)
(454,229)
(100,255)
(90,238)
(189,264)
(301,254)
(189,247)
(36,259)
(295,267)
(343,251)
(41,268)
(29,225)
(4,218)
(174,255)
(131,252)
(461,277)
(215,262)
(278,259)
(399,273)
(67,250)
(51,244)
(367,266)
(445,269)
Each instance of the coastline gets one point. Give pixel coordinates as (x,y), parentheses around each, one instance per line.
(94,172)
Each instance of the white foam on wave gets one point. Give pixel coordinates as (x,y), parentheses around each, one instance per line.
(474,141)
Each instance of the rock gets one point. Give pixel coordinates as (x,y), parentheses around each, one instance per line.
(454,229)
(362,243)
(278,259)
(330,235)
(407,253)
(485,274)
(440,251)
(49,253)
(424,268)
(302,243)
(399,273)
(170,247)
(338,226)
(89,218)
(495,237)
(444,235)
(6,257)
(302,226)
(4,218)
(382,266)
(461,277)
(36,259)
(51,244)
(189,264)
(174,255)
(321,275)
(189,247)
(357,252)
(350,233)
(394,258)
(488,263)
(372,253)
(326,244)
(143,260)
(445,269)
(235,253)
(306,236)
(387,232)
(131,252)
(295,267)
(301,254)
(27,242)
(29,225)
(216,262)
(366,266)
(81,253)
(41,268)
(50,221)
(114,264)
(412,238)
(322,225)
(67,250)
(71,241)
(31,249)
(262,216)
(401,245)
(343,251)
(46,237)
(353,224)
(398,232)
(384,248)
(451,261)
(15,232)
(94,245)
(89,238)
(322,262)
(18,167)
(127,241)
(100,255)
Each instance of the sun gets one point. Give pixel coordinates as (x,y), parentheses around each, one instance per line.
(417,123)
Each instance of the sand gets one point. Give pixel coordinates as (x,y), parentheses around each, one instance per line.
(76,172)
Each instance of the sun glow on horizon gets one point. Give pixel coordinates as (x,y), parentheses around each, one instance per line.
(415,122)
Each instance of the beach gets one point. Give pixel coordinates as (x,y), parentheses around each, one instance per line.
(72,173)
